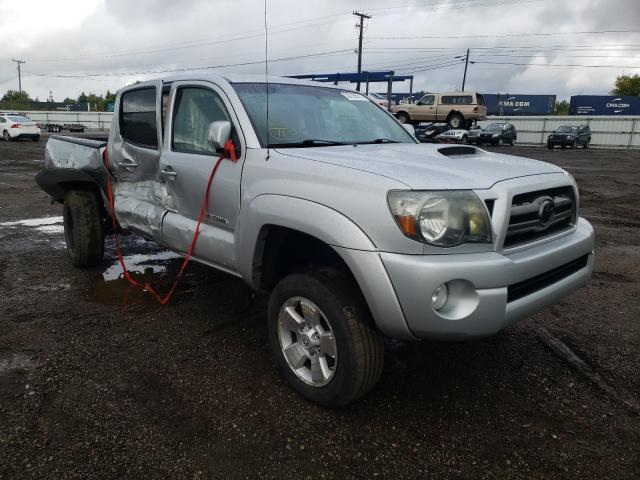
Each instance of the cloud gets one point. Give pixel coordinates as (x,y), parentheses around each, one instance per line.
(89,37)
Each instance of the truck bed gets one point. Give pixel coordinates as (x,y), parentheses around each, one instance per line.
(72,160)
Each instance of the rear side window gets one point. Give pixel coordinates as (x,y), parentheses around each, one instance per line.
(457,100)
(481,100)
(138,117)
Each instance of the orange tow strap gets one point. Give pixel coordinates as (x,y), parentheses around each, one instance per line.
(230,152)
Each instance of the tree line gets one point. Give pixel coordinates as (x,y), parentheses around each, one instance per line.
(15,100)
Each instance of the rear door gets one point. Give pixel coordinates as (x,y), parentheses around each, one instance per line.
(134,152)
(185,166)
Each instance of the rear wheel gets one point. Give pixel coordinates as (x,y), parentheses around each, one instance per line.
(455,120)
(83,228)
(323,338)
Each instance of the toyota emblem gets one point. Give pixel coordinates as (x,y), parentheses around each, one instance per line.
(546,212)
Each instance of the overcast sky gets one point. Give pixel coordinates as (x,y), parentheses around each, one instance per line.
(98,41)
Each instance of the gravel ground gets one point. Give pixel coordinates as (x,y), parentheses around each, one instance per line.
(98,381)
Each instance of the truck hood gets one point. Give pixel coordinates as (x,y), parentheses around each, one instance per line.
(428,166)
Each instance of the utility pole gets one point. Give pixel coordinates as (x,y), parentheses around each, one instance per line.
(19,74)
(466,63)
(360,26)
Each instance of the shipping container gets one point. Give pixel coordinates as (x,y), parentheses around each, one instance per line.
(517,104)
(604,105)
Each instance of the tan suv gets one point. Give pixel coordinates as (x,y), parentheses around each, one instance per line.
(459,109)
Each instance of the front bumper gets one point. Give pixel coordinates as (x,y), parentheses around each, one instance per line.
(560,143)
(480,303)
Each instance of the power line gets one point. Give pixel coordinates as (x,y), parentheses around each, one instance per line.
(538,34)
(556,65)
(206,67)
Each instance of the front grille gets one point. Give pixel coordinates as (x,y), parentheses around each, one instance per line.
(527,287)
(539,214)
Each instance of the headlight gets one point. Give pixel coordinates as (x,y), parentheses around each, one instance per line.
(441,218)
(495,135)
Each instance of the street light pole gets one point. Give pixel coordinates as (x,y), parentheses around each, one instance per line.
(361,28)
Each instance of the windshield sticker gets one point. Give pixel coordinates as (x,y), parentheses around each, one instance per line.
(354,96)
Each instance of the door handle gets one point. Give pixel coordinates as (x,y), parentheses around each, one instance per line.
(170,174)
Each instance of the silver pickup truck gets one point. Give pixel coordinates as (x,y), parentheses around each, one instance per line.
(357,230)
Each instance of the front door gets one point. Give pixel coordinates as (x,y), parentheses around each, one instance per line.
(426,110)
(186,163)
(133,159)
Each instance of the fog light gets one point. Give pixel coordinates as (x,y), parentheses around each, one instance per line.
(439,296)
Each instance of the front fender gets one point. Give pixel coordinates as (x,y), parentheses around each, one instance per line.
(315,219)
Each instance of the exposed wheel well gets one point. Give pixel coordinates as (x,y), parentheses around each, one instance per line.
(282,250)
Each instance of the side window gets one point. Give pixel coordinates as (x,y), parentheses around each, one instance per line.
(426,100)
(138,117)
(195,109)
(2,120)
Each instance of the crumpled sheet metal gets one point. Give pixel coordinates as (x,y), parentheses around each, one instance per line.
(140,206)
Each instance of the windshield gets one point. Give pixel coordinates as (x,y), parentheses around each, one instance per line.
(566,130)
(494,126)
(306,116)
(19,119)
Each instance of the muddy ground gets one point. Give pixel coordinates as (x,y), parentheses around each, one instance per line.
(99,381)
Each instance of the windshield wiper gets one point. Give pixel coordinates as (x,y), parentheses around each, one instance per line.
(378,140)
(310,142)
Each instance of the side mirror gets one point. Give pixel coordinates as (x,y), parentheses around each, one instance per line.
(219,134)
(409,128)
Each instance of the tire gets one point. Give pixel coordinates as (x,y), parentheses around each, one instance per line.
(332,297)
(6,136)
(402,117)
(498,142)
(573,145)
(465,139)
(549,146)
(586,145)
(83,232)
(455,120)
(512,142)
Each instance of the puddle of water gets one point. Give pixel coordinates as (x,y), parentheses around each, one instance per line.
(51,229)
(15,362)
(147,263)
(33,222)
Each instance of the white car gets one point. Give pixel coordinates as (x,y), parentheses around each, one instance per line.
(13,127)
(379,98)
(457,134)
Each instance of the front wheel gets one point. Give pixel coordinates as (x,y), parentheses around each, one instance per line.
(83,228)
(403,117)
(6,136)
(323,338)
(464,139)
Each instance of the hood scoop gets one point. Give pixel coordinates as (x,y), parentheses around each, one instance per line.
(457,150)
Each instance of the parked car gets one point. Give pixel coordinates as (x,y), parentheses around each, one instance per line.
(457,135)
(380,99)
(14,127)
(355,229)
(570,136)
(459,110)
(428,132)
(495,134)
